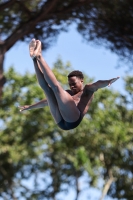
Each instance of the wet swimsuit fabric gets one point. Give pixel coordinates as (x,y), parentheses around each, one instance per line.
(69,125)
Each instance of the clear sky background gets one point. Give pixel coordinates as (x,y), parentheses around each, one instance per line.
(96,62)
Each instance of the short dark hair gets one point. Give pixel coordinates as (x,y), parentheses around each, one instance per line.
(77,73)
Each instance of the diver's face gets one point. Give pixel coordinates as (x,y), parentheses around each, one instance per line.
(75,84)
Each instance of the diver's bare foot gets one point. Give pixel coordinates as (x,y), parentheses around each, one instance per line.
(32,47)
(37,51)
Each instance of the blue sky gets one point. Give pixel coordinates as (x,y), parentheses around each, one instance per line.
(96,62)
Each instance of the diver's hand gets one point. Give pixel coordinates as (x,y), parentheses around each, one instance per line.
(113,80)
(22,108)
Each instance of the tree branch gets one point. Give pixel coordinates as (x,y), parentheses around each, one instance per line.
(107,185)
(24,29)
(6,5)
(77,188)
(47,12)
(26,10)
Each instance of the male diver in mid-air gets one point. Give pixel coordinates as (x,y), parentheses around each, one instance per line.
(67,107)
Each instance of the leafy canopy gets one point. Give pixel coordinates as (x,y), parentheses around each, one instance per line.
(34,150)
(104,22)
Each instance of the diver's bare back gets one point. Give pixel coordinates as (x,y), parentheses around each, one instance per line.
(82,99)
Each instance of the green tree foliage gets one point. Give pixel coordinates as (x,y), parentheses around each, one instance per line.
(110,23)
(38,160)
(108,20)
(101,21)
(24,138)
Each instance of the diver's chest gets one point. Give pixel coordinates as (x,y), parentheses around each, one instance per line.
(79,97)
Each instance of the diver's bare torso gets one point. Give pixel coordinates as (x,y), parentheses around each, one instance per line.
(82,99)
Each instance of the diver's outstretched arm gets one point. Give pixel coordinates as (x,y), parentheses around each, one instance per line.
(39,104)
(101,84)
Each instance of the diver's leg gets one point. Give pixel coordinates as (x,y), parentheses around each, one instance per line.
(52,102)
(66,104)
